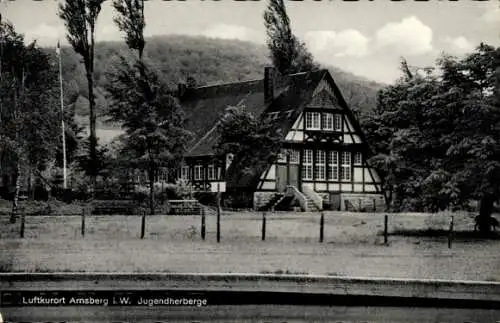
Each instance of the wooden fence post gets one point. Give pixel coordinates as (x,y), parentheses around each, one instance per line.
(23,220)
(264,226)
(386,220)
(321,227)
(450,233)
(143,224)
(218,212)
(203,223)
(84,211)
(218,224)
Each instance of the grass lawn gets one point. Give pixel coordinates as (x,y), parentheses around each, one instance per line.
(340,227)
(353,245)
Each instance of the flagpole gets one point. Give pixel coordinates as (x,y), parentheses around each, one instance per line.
(62,117)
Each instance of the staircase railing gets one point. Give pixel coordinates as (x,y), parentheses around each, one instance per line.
(315,197)
(293,191)
(278,201)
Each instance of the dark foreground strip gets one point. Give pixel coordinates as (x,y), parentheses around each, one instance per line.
(204,298)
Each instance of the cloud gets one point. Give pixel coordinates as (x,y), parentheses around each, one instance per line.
(348,42)
(46,34)
(225,31)
(460,45)
(492,14)
(408,37)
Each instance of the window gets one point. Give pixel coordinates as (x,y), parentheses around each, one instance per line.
(319,169)
(211,172)
(308,120)
(312,120)
(198,172)
(185,172)
(294,156)
(307,166)
(338,122)
(333,163)
(327,121)
(219,172)
(357,158)
(316,120)
(345,170)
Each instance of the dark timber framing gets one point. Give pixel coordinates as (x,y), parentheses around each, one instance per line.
(287,101)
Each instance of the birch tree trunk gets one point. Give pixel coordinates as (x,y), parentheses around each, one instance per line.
(15,201)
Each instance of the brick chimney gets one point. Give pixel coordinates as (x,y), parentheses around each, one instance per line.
(270,75)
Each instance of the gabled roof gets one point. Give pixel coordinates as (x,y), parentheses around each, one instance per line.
(204,106)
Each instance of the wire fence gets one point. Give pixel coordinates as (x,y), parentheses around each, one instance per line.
(209,224)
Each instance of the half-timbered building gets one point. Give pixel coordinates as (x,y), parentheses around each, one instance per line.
(323,160)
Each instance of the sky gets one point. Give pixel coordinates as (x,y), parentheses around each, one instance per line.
(366,38)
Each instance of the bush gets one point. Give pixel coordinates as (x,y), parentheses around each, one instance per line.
(181,190)
(52,207)
(141,196)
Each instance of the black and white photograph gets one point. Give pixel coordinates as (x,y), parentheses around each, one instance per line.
(249,161)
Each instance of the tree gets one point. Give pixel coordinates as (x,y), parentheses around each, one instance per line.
(28,133)
(288,53)
(153,120)
(436,135)
(402,142)
(474,147)
(80,17)
(132,22)
(254,142)
(100,164)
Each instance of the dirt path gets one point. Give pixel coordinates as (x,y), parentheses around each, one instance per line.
(404,258)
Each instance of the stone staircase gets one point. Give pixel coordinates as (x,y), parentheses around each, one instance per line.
(311,205)
(314,200)
(308,201)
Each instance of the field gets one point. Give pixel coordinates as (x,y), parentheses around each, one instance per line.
(353,245)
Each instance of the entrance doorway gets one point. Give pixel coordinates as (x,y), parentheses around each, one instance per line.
(287,175)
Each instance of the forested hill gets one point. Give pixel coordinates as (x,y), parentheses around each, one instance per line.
(207,60)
